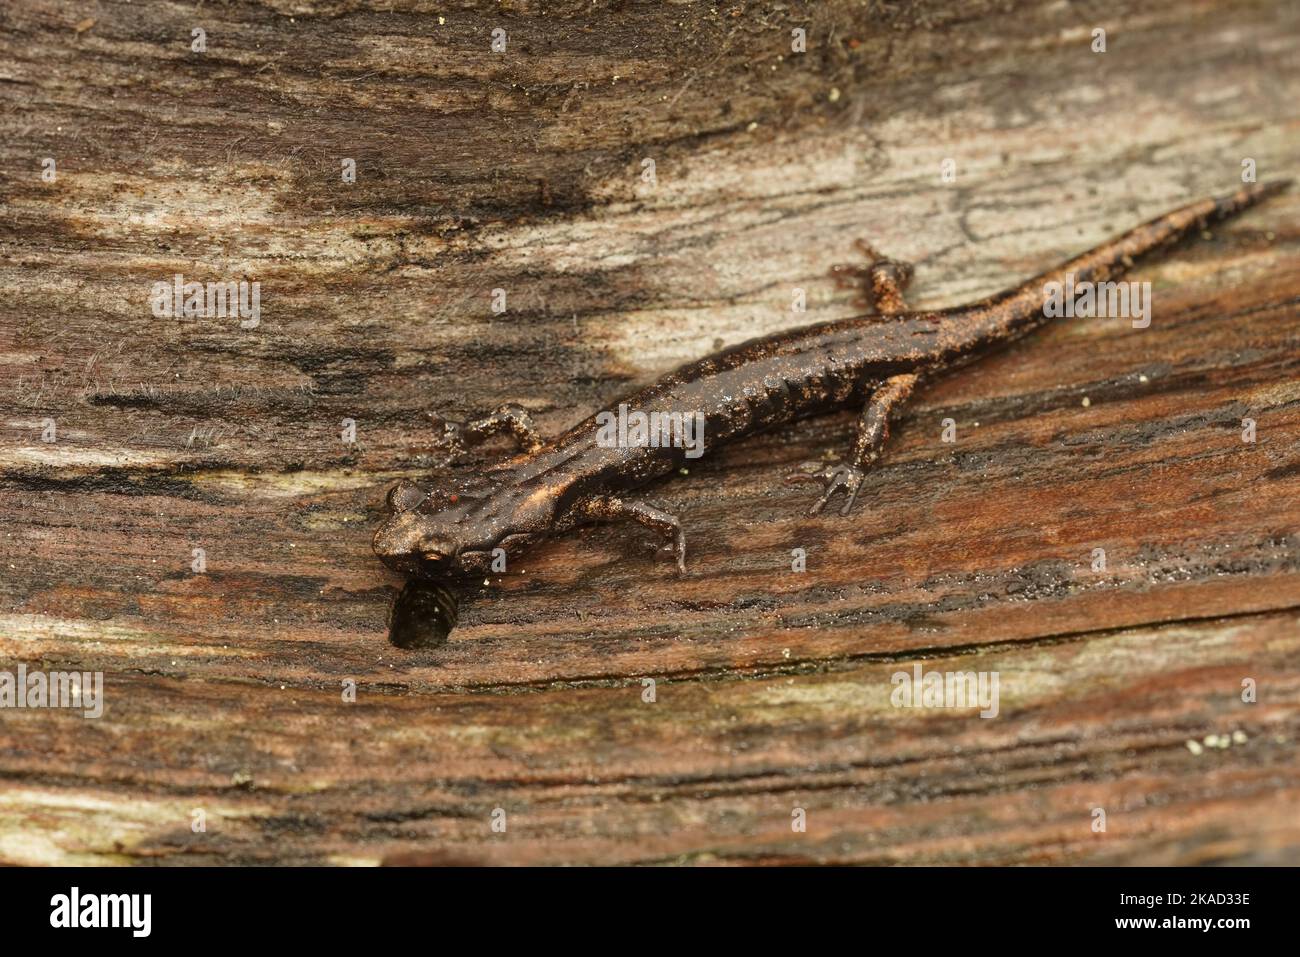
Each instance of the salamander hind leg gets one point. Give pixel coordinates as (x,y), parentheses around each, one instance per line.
(610,508)
(882,281)
(873,430)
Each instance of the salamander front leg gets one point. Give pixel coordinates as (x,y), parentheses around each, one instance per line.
(882,281)
(609,508)
(873,430)
(510,418)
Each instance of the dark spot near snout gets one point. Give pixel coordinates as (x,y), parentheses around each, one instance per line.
(424,614)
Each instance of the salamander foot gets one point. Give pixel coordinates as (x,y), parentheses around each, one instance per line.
(512,419)
(611,508)
(880,283)
(836,477)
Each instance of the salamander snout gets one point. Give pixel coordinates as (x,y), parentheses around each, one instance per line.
(414,540)
(415,544)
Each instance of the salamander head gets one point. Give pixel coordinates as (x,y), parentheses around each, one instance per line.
(436,533)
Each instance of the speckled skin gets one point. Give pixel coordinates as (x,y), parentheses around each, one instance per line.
(756,385)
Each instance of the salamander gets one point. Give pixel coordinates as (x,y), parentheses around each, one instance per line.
(876,360)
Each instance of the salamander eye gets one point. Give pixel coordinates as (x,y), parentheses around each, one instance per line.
(405,496)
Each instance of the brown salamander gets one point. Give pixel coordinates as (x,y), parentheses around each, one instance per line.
(878,360)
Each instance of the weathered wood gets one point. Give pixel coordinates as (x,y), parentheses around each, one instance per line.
(522,171)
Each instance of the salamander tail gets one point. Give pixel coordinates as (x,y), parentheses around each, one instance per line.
(1116,256)
(1248,196)
(1020,309)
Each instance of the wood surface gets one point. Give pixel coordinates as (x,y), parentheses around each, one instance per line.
(523,171)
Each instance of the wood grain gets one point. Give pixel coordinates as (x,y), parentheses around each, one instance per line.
(522,171)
